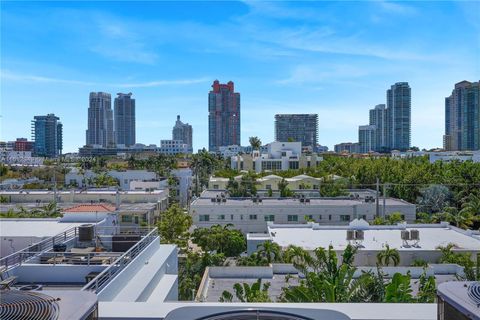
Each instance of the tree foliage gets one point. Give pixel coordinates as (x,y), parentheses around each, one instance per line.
(174,225)
(230,242)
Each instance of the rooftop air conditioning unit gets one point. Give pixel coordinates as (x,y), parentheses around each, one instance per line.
(307,200)
(260,200)
(359,235)
(405,235)
(414,234)
(350,235)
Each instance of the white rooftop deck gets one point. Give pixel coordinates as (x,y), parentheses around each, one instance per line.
(375,238)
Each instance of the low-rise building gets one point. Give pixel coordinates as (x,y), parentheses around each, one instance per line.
(218,279)
(142,179)
(413,241)
(448,156)
(253,214)
(280,156)
(347,147)
(174,147)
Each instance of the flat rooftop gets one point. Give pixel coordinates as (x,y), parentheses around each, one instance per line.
(431,237)
(93,192)
(138,206)
(295,202)
(34,227)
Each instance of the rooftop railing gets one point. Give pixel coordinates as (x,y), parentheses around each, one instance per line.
(19,257)
(102,279)
(36,250)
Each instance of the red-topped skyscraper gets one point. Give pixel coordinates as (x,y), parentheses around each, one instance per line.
(223,116)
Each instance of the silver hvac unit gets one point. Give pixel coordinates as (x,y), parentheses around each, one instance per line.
(350,235)
(414,235)
(359,235)
(405,235)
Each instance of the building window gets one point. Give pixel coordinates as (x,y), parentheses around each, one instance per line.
(344,217)
(136,220)
(215,187)
(253,217)
(269,187)
(231,217)
(330,217)
(319,217)
(293,165)
(315,186)
(292,218)
(309,217)
(221,217)
(364,217)
(204,217)
(269,217)
(126,218)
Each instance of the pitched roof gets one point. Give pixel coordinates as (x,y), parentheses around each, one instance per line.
(91,208)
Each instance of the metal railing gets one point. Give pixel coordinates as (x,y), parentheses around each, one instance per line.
(21,256)
(103,278)
(76,258)
(37,249)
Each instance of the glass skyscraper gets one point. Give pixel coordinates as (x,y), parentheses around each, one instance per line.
(462,117)
(399,108)
(378,118)
(47,132)
(223,116)
(297,127)
(124,119)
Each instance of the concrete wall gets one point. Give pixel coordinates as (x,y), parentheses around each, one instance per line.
(60,273)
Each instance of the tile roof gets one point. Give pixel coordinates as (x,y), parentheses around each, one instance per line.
(91,208)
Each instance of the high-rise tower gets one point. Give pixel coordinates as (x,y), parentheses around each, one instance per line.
(100,120)
(223,116)
(124,116)
(462,117)
(48,136)
(297,127)
(182,132)
(399,116)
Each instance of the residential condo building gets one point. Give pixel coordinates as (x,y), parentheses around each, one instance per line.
(399,116)
(100,120)
(223,116)
(183,132)
(462,117)
(367,138)
(378,118)
(48,137)
(297,128)
(124,119)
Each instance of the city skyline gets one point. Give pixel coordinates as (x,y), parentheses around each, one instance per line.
(309,60)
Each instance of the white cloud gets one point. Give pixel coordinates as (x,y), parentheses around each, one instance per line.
(17,77)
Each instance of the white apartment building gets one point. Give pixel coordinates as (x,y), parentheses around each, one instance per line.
(174,147)
(373,239)
(251,215)
(23,158)
(128,179)
(279,156)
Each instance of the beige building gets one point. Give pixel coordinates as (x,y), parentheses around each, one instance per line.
(270,182)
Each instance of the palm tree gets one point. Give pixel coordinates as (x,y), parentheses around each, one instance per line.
(269,250)
(462,219)
(248,293)
(328,281)
(255,142)
(296,255)
(385,256)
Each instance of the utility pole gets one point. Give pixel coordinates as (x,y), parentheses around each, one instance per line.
(377,205)
(384,198)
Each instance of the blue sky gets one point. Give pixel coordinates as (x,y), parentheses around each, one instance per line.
(332,58)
